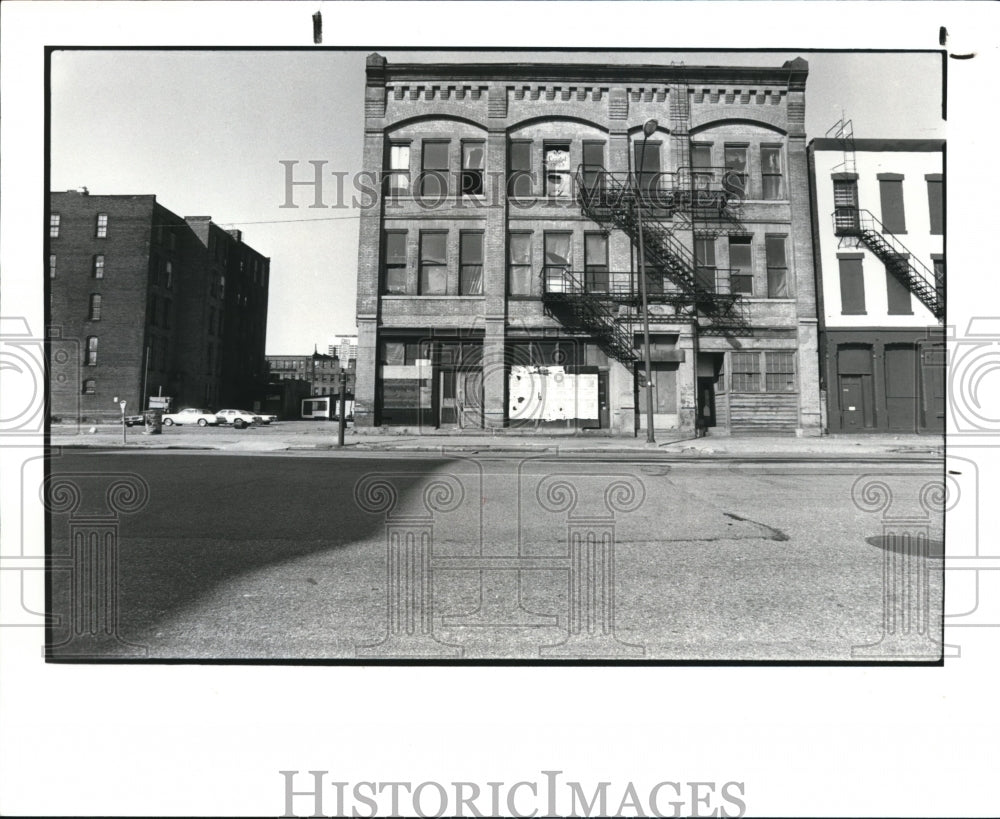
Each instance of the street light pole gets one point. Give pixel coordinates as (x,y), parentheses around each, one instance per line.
(647,130)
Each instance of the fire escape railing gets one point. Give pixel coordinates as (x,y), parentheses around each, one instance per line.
(579,298)
(925,284)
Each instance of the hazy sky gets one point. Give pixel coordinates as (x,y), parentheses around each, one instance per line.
(206,132)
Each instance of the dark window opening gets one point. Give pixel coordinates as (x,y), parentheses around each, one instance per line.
(433,264)
(473,163)
(777,268)
(471,263)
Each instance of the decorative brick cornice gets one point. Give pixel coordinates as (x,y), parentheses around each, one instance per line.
(738,96)
(791,74)
(497,102)
(617,104)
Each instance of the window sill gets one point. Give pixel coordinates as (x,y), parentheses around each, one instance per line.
(429,296)
(860,313)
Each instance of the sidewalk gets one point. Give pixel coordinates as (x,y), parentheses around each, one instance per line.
(305,436)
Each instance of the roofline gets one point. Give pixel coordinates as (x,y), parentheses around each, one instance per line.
(792,73)
(900,145)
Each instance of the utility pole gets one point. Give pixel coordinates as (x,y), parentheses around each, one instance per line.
(341,419)
(647,130)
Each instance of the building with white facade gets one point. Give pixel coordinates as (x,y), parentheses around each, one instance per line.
(878,223)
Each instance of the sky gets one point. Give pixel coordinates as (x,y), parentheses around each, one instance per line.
(207,133)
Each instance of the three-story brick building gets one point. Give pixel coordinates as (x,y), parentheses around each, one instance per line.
(498,280)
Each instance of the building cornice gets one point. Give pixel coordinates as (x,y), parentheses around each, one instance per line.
(874,145)
(791,75)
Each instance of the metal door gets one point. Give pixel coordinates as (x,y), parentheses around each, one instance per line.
(604,410)
(852,403)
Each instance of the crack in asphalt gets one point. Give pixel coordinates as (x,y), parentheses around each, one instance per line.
(774,534)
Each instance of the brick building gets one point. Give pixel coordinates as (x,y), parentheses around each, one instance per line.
(145,303)
(497,274)
(879,245)
(321,373)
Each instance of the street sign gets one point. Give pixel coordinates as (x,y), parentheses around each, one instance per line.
(159,402)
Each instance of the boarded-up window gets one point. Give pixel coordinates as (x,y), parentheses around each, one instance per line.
(891,195)
(519,265)
(471,274)
(777,268)
(898,296)
(852,287)
(935,201)
(433,264)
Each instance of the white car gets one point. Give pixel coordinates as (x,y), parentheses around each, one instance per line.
(238,418)
(191,415)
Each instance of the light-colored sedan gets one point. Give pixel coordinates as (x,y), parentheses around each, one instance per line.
(238,418)
(191,415)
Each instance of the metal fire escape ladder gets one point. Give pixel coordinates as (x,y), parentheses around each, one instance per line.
(567,297)
(609,201)
(924,283)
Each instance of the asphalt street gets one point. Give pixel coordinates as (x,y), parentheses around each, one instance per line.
(382,556)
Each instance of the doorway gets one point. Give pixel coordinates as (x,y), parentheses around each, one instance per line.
(854,403)
(447,403)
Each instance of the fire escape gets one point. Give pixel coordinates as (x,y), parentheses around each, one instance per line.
(925,284)
(607,304)
(859,225)
(705,201)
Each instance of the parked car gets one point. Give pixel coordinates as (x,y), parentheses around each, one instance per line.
(238,418)
(133,420)
(267,419)
(191,415)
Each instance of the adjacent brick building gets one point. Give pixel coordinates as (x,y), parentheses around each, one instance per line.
(879,243)
(497,273)
(143,302)
(320,372)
